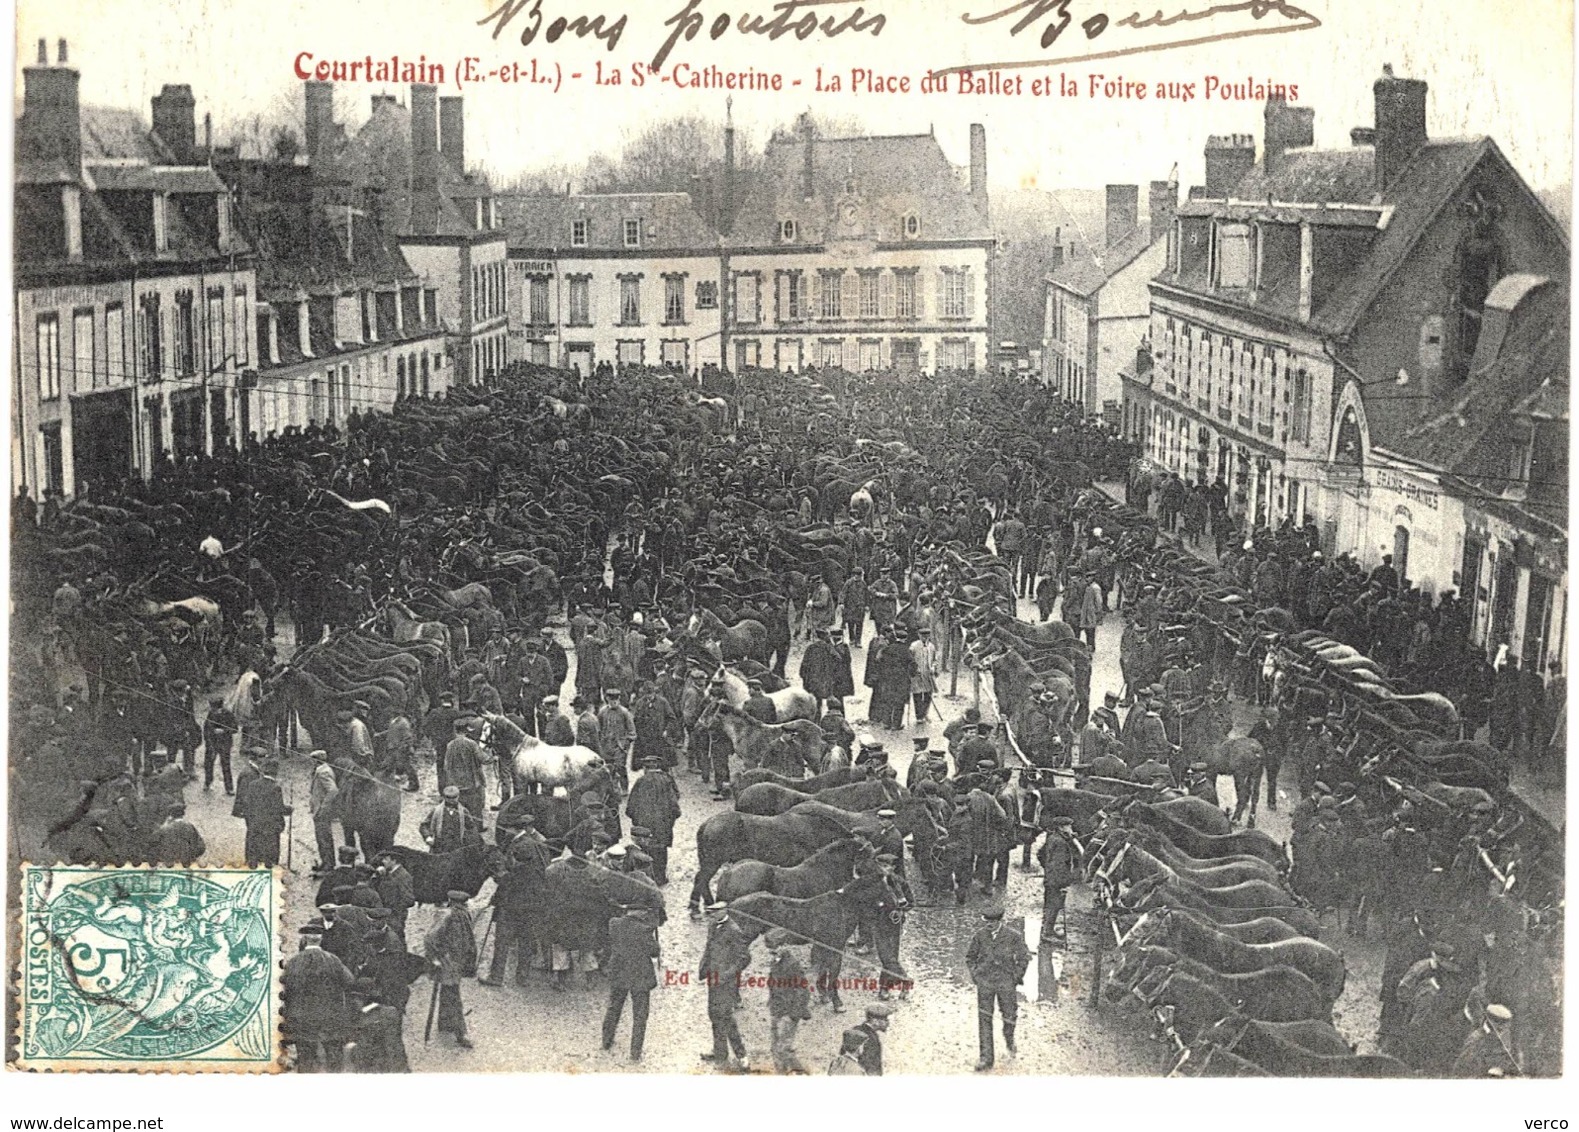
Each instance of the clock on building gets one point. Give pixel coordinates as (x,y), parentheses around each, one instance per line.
(849,212)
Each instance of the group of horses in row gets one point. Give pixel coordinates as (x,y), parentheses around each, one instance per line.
(1216,944)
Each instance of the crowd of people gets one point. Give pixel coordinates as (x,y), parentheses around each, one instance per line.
(841,513)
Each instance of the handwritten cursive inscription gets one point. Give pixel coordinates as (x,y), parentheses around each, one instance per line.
(791,17)
(1058,17)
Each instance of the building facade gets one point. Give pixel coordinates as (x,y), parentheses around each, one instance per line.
(1317,306)
(343,322)
(630,279)
(862,253)
(1098,306)
(134,292)
(409,163)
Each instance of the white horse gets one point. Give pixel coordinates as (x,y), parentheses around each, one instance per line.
(200,612)
(535,761)
(788,703)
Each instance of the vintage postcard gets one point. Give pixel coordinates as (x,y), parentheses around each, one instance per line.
(775,537)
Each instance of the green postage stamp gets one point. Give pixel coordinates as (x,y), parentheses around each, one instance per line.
(149,969)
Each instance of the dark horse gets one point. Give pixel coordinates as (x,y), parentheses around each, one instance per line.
(434,875)
(825,870)
(826,921)
(790,838)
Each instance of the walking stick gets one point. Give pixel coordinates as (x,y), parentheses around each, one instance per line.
(433,1007)
(493,914)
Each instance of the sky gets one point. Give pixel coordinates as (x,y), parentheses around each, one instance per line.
(1489,73)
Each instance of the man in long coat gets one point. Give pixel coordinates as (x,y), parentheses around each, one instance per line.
(654,804)
(452,949)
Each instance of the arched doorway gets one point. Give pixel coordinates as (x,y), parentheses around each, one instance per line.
(1401,551)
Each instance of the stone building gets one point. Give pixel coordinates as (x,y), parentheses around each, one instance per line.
(443,219)
(1319,304)
(134,291)
(1098,304)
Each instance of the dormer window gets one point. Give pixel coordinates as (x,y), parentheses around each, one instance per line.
(787,231)
(1521,457)
(912,225)
(633,233)
(1233,255)
(849,187)
(578,233)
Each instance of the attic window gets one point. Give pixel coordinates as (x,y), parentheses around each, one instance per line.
(578,233)
(1233,255)
(633,233)
(912,225)
(787,231)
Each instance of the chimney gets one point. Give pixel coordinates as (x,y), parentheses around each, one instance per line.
(726,208)
(318,123)
(808,177)
(1362,135)
(424,157)
(175,121)
(1228,158)
(452,131)
(1286,127)
(1058,258)
(1162,202)
(208,138)
(1400,125)
(978,160)
(1123,212)
(51,122)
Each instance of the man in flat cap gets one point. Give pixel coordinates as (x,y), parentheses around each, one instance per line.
(463,759)
(323,800)
(654,804)
(997,959)
(450,825)
(633,951)
(726,955)
(313,1005)
(617,735)
(262,806)
(866,1038)
(452,949)
(556,728)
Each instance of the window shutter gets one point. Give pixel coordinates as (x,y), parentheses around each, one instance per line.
(886,294)
(616,306)
(779,284)
(939,289)
(970,293)
(814,310)
(592,306)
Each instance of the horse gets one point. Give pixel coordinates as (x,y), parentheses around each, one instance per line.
(434,875)
(370,811)
(537,763)
(744,640)
(826,921)
(767,799)
(780,745)
(790,838)
(788,704)
(823,871)
(841,776)
(402,625)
